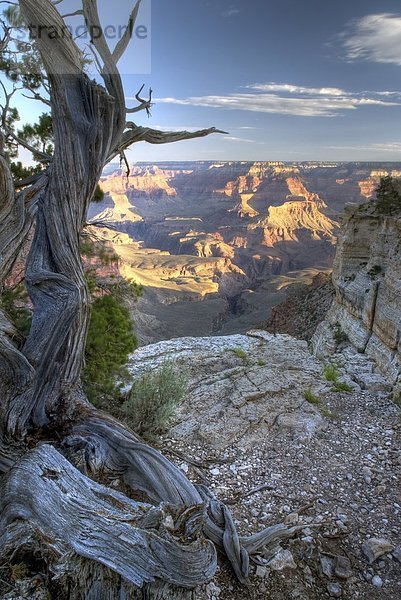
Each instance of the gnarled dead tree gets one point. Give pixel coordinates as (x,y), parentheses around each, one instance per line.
(54,444)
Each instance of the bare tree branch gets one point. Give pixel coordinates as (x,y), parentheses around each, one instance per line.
(136,134)
(123,158)
(120,528)
(60,55)
(125,40)
(143,104)
(6,107)
(40,155)
(93,24)
(10,133)
(77,13)
(109,71)
(31,180)
(36,96)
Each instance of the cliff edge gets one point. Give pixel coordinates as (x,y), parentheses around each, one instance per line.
(366,311)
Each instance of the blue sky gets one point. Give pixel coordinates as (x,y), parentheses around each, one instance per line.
(289,80)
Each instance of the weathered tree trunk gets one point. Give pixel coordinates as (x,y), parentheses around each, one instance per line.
(87,530)
(97,542)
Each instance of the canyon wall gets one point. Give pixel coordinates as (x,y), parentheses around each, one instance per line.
(304,308)
(367,281)
(219,243)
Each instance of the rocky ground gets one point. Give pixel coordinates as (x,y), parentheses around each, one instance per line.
(342,485)
(332,466)
(266,431)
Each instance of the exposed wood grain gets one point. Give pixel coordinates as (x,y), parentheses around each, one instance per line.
(109,448)
(45,499)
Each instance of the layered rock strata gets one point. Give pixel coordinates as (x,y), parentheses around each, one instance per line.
(367,279)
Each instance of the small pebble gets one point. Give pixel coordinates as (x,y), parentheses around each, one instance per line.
(397,553)
(261,572)
(334,590)
(374,548)
(342,567)
(377,581)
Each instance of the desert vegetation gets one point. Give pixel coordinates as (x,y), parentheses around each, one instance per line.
(332,374)
(152,400)
(388,196)
(311,397)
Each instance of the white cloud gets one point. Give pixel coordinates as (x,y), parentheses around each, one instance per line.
(234,138)
(389,147)
(296,89)
(288,99)
(230,12)
(374,38)
(388,94)
(383,147)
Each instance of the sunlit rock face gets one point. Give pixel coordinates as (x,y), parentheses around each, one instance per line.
(367,280)
(209,230)
(296,220)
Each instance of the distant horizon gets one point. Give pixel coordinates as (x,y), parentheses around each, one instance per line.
(236,160)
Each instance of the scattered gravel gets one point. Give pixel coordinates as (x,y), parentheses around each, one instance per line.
(342,485)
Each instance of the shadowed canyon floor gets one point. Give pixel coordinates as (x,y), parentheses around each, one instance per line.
(215,242)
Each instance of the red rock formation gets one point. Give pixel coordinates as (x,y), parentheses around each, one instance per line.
(368,186)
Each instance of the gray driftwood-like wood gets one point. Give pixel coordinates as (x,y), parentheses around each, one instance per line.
(97,542)
(45,498)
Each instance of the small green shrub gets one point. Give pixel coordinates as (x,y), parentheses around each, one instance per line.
(153,399)
(397,398)
(110,340)
(98,195)
(388,197)
(374,271)
(234,372)
(311,397)
(19,571)
(127,289)
(341,386)
(240,353)
(330,414)
(261,362)
(98,249)
(331,373)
